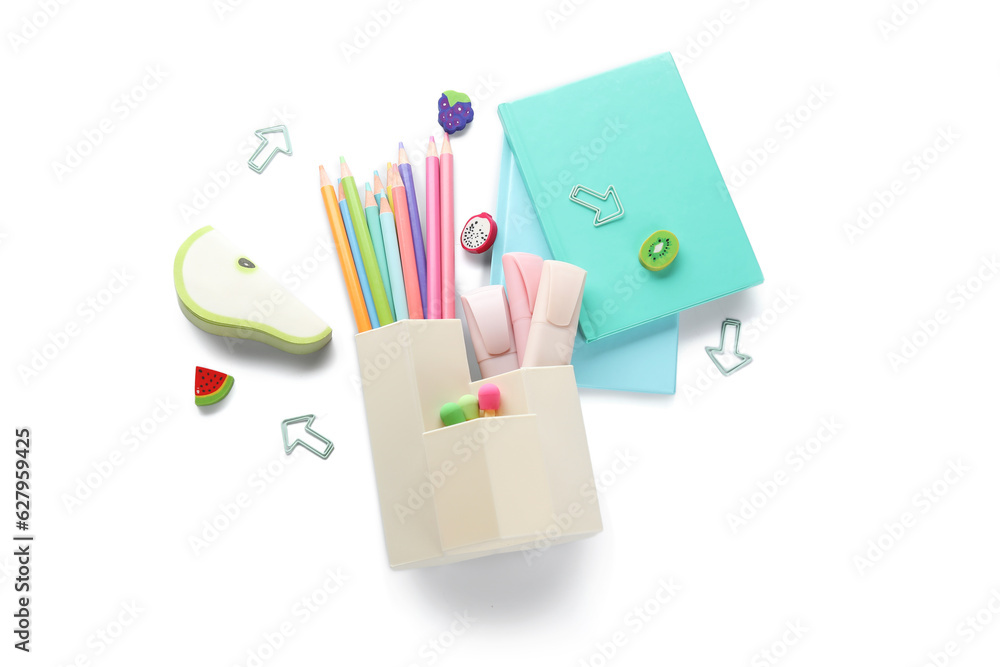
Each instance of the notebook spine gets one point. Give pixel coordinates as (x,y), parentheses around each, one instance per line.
(503,217)
(524,166)
(530,180)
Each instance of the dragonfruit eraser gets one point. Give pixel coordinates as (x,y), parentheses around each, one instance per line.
(454,111)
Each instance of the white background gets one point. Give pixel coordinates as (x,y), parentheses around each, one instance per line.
(855,299)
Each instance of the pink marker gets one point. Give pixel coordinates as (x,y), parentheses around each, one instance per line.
(556,315)
(522,272)
(489,400)
(488,316)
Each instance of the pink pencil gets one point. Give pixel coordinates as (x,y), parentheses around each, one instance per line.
(433,204)
(447,206)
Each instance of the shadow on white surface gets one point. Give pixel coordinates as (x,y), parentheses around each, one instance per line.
(513,588)
(260,354)
(703,322)
(215,408)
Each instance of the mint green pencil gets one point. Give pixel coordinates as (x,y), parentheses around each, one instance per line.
(392,257)
(375,228)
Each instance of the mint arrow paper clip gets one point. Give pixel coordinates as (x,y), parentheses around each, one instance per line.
(729,345)
(286,148)
(574,196)
(311,436)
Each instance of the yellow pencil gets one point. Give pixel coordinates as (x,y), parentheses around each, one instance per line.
(380,189)
(388,170)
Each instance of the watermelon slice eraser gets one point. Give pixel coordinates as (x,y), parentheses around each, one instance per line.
(211,386)
(223,292)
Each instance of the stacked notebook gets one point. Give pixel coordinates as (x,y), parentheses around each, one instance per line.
(635,131)
(641,359)
(632,128)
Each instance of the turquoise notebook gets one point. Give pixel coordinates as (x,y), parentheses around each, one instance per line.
(633,128)
(641,359)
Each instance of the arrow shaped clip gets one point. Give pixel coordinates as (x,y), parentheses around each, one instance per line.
(712,351)
(610,192)
(328,444)
(287,149)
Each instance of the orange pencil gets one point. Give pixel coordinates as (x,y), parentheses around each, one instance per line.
(414,306)
(344,253)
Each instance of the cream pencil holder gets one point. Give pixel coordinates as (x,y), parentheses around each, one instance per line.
(519,481)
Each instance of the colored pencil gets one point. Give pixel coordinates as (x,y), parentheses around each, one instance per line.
(432,204)
(388,170)
(368,258)
(406,174)
(375,229)
(352,237)
(379,189)
(447,230)
(392,257)
(351,281)
(411,279)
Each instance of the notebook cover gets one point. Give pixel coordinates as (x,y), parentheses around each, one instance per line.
(642,359)
(633,128)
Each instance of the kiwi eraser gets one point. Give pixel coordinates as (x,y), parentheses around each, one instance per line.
(659,250)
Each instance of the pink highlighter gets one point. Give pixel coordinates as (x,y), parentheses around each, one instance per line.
(522,271)
(555,316)
(488,316)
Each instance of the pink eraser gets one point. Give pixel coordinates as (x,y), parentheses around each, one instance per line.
(489,397)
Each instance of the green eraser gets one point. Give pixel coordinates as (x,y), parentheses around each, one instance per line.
(470,406)
(451,414)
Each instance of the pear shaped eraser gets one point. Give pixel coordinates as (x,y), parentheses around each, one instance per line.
(470,406)
(224,293)
(489,399)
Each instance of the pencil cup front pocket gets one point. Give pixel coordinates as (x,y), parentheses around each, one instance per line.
(493,482)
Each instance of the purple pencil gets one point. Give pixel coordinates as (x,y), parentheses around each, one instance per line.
(406,174)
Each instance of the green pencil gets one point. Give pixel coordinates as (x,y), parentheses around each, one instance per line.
(375,227)
(368,257)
